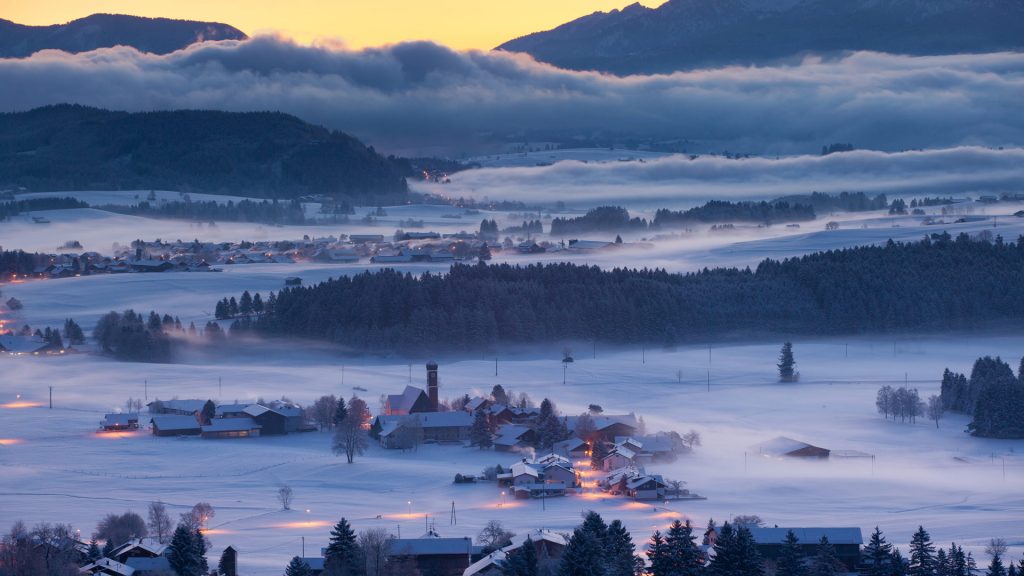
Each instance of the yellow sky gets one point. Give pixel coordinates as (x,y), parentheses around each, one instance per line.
(457,23)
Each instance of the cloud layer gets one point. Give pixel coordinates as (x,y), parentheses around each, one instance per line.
(421,95)
(677,180)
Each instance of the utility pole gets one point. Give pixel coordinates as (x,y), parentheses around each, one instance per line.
(410,373)
(643,354)
(564,366)
(342,375)
(220,388)
(303,546)
(709,380)
(145,390)
(51,397)
(495,366)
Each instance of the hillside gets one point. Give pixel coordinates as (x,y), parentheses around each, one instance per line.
(265,154)
(688,34)
(156,35)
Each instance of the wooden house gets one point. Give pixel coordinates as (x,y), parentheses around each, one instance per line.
(115,422)
(175,425)
(845,541)
(244,427)
(783,447)
(434,555)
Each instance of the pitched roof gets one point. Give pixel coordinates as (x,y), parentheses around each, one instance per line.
(604,421)
(509,434)
(808,535)
(406,400)
(229,409)
(782,445)
(641,480)
(190,405)
(110,566)
(148,545)
(566,446)
(231,425)
(174,422)
(120,419)
(159,564)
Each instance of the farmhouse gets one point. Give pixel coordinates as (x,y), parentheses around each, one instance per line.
(646,487)
(551,475)
(608,426)
(175,425)
(27,346)
(108,567)
(424,426)
(275,421)
(511,437)
(783,447)
(412,400)
(572,448)
(180,407)
(114,422)
(435,555)
(846,541)
(231,428)
(549,546)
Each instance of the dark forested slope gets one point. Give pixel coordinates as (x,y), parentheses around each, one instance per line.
(265,154)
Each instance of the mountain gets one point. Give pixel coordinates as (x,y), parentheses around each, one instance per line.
(156,35)
(265,154)
(689,34)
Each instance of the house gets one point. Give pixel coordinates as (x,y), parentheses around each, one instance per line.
(27,346)
(620,456)
(783,447)
(315,563)
(429,426)
(551,475)
(434,555)
(512,437)
(113,422)
(845,541)
(608,426)
(230,411)
(412,400)
(150,265)
(293,281)
(175,425)
(646,487)
(548,545)
(366,238)
(572,448)
(138,548)
(477,403)
(231,428)
(108,567)
(275,421)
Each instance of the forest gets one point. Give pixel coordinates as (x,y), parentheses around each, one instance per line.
(20,263)
(265,154)
(993,396)
(12,208)
(618,219)
(939,283)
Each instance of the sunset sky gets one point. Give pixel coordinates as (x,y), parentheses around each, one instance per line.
(460,24)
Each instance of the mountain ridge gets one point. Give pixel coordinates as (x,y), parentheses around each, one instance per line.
(154,35)
(691,34)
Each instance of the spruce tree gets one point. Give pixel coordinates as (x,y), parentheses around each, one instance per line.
(298,567)
(94,553)
(825,561)
(996,568)
(199,551)
(108,548)
(582,555)
(480,431)
(181,553)
(620,553)
(522,561)
(957,560)
(941,563)
(922,554)
(343,556)
(877,555)
(341,412)
(595,525)
(684,558)
(787,372)
(657,555)
(749,562)
(791,557)
(897,565)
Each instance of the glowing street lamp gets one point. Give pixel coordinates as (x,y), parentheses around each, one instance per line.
(502,497)
(409,504)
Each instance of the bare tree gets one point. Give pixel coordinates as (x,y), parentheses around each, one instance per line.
(159,522)
(748,520)
(374,544)
(133,405)
(586,429)
(996,548)
(284,496)
(120,528)
(677,487)
(198,516)
(935,409)
(692,438)
(322,411)
(494,535)
(350,437)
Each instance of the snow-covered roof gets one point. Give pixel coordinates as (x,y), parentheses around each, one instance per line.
(444,419)
(566,446)
(231,425)
(21,344)
(230,409)
(509,434)
(475,403)
(622,451)
(641,480)
(406,400)
(431,546)
(498,557)
(528,468)
(109,566)
(604,421)
(191,405)
(255,410)
(121,419)
(495,558)
(808,535)
(158,564)
(148,545)
(782,445)
(174,422)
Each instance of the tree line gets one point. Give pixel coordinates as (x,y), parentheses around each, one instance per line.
(937,283)
(13,208)
(993,396)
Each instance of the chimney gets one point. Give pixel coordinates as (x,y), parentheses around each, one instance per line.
(432,385)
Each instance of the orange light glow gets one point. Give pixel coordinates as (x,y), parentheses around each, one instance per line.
(10,441)
(306,524)
(21,404)
(116,435)
(634,506)
(507,504)
(405,516)
(596,496)
(670,514)
(216,531)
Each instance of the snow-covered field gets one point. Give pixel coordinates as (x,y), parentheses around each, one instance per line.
(55,468)
(543,157)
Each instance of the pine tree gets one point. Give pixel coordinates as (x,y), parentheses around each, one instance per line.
(93,553)
(897,565)
(182,552)
(786,363)
(480,431)
(582,555)
(343,556)
(598,452)
(657,555)
(750,561)
(108,548)
(341,412)
(522,561)
(620,553)
(735,554)
(791,557)
(298,567)
(941,563)
(684,558)
(922,554)
(199,551)
(876,554)
(995,568)
(957,561)
(825,561)
(595,525)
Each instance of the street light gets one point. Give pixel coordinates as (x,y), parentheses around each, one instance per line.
(502,497)
(409,503)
